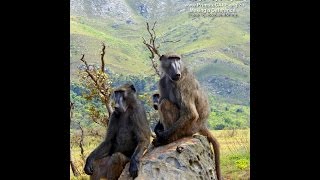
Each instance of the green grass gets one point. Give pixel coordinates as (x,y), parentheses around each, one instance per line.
(235,153)
(228,115)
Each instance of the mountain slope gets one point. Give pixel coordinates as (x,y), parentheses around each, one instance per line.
(216,49)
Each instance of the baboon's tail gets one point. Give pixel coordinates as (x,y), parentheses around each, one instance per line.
(216,148)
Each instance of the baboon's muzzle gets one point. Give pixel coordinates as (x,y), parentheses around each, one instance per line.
(176,77)
(155,106)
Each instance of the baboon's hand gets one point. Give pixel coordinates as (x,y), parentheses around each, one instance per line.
(133,169)
(156,143)
(158,132)
(88,168)
(162,136)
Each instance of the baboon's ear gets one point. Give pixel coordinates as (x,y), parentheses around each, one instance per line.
(132,88)
(162,57)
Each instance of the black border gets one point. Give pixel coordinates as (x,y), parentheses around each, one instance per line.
(36,80)
(279,113)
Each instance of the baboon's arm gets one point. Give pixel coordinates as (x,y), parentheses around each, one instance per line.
(158,128)
(141,147)
(188,114)
(143,138)
(135,158)
(142,135)
(103,149)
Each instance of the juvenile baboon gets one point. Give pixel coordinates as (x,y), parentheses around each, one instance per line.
(155,99)
(184,107)
(128,136)
(166,119)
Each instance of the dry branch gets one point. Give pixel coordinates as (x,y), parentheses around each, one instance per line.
(98,77)
(152,47)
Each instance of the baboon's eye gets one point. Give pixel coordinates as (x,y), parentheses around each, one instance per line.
(117,94)
(166,64)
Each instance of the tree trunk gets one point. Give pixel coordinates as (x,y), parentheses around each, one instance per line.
(81,143)
(73,167)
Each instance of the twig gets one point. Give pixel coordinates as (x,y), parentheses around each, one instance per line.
(92,76)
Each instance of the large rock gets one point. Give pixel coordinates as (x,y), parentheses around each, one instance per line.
(187,158)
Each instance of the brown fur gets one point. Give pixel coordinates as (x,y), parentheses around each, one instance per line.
(183,109)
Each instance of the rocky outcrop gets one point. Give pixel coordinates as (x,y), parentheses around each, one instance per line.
(187,158)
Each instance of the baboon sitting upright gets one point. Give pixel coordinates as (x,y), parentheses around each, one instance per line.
(128,136)
(180,92)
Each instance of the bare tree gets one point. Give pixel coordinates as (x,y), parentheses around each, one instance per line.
(152,47)
(99,85)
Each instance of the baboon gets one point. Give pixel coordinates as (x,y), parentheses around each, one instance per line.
(183,106)
(128,136)
(166,119)
(155,99)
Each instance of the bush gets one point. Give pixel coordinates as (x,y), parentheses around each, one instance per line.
(219,127)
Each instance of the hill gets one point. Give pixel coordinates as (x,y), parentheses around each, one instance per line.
(217,49)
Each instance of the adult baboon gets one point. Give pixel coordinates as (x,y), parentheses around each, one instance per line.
(184,108)
(128,136)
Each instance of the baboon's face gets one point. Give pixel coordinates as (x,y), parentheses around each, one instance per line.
(155,100)
(172,66)
(120,104)
(122,97)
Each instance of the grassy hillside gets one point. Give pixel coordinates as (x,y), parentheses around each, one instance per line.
(122,53)
(216,49)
